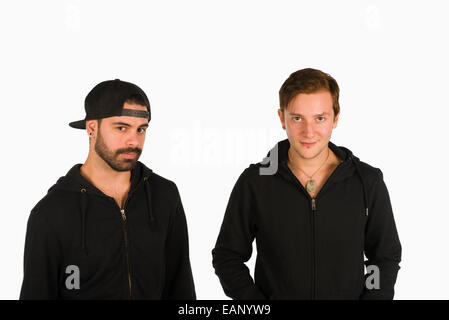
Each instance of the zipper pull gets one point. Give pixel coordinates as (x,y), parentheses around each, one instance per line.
(123,214)
(313,204)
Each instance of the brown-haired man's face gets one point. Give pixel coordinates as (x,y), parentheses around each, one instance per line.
(119,140)
(309,118)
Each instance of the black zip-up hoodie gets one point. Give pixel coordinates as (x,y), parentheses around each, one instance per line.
(142,253)
(308,248)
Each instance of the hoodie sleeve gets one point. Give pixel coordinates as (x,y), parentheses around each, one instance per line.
(41,260)
(234,246)
(179,283)
(382,246)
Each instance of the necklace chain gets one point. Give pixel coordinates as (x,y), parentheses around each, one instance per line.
(310,177)
(311,184)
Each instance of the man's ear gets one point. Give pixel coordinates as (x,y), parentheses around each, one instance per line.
(91,127)
(336,120)
(281,117)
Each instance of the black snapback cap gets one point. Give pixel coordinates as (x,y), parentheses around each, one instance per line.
(106,100)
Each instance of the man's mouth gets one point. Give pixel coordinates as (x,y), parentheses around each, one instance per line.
(308,144)
(130,155)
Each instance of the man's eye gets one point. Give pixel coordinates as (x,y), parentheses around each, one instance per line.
(321,119)
(121,128)
(296,118)
(141,130)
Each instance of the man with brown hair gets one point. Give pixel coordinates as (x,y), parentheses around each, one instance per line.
(314,216)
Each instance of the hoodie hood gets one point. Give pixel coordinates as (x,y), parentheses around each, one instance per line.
(73,181)
(350,164)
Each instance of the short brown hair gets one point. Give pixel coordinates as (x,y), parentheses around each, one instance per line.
(308,81)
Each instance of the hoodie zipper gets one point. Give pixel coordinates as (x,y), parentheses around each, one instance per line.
(314,254)
(313,205)
(125,238)
(313,250)
(125,234)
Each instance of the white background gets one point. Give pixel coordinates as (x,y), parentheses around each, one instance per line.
(212,71)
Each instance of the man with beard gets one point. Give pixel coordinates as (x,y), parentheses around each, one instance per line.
(111,228)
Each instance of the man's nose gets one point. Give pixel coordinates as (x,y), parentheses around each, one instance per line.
(132,140)
(308,129)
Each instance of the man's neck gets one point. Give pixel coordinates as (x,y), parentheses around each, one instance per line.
(102,176)
(309,166)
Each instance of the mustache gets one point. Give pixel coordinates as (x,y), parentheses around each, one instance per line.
(137,151)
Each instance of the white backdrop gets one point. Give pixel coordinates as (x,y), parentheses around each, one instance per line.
(212,71)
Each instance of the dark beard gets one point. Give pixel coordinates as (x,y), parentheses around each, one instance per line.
(111,157)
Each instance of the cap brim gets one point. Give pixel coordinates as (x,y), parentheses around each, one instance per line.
(81,124)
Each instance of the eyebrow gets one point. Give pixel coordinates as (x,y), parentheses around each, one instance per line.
(317,115)
(128,125)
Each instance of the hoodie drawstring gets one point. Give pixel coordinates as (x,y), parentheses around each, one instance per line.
(365,197)
(147,189)
(83,205)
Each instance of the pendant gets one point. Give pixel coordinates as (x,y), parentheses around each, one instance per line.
(311,186)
